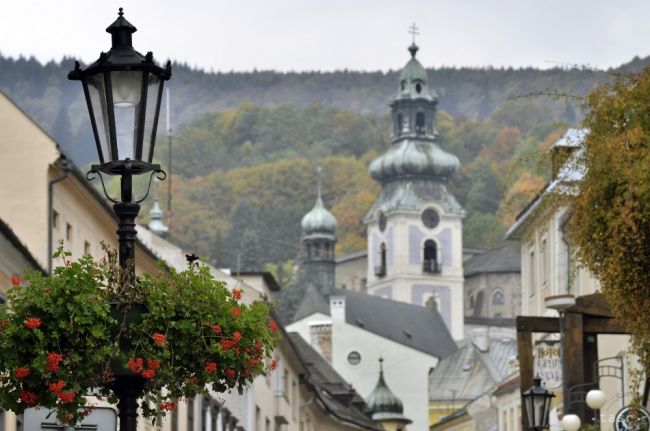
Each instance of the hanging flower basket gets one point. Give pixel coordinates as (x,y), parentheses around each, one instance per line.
(70,335)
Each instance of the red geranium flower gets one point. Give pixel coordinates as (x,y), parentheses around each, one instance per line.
(231,373)
(29,398)
(53,360)
(273,325)
(211,367)
(22,372)
(66,397)
(235,311)
(216,329)
(167,406)
(159,339)
(226,344)
(57,387)
(274,364)
(236,293)
(16,280)
(236,337)
(153,364)
(32,322)
(148,374)
(136,365)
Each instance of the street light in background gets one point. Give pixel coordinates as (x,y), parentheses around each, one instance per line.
(537,403)
(596,399)
(123,91)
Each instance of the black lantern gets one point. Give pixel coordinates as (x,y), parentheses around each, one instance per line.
(123,91)
(537,401)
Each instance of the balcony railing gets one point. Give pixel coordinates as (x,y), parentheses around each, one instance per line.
(431,266)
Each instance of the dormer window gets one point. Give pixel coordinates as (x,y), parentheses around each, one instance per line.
(430,263)
(420,127)
(418,88)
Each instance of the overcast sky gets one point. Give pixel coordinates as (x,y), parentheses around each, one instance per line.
(337,34)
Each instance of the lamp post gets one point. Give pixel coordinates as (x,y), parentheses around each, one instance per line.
(537,402)
(123,90)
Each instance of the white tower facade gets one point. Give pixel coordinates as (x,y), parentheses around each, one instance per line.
(415,245)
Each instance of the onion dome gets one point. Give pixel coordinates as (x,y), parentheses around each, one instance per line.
(382,403)
(413,79)
(414,158)
(155,220)
(319,221)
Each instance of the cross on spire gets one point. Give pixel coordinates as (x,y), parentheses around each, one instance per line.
(318,170)
(413,30)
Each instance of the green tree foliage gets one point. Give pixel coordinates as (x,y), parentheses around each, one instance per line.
(610,215)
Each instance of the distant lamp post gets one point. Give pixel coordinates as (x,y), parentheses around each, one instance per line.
(123,91)
(537,402)
(571,422)
(596,399)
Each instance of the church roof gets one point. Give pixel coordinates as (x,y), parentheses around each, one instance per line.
(312,302)
(499,260)
(318,221)
(383,403)
(470,372)
(410,157)
(417,327)
(337,396)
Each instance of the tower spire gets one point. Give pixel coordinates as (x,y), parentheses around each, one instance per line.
(413,30)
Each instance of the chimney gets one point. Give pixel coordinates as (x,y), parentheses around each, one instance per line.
(480,339)
(320,334)
(337,308)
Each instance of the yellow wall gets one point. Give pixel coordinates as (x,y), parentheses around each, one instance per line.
(440,409)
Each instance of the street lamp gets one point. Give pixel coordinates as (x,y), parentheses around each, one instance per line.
(596,399)
(537,401)
(123,91)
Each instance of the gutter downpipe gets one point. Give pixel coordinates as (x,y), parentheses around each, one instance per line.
(65,165)
(564,218)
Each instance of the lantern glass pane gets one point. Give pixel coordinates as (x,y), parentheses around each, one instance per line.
(97,93)
(153,107)
(528,402)
(539,402)
(127,88)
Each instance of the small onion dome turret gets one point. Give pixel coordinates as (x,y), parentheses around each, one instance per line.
(383,404)
(411,158)
(155,220)
(413,80)
(319,221)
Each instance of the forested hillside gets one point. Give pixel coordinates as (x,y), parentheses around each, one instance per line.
(246,146)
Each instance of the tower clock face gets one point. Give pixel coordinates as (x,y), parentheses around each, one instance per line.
(430,218)
(382,221)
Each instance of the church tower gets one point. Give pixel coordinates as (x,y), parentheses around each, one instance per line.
(319,240)
(415,247)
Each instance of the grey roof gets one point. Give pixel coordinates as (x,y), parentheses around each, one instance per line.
(312,302)
(13,239)
(469,372)
(319,221)
(504,259)
(420,328)
(336,395)
(414,193)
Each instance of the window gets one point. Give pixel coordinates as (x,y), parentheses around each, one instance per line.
(68,231)
(420,127)
(431,264)
(55,219)
(354,358)
(399,124)
(86,247)
(418,88)
(433,302)
(498,298)
(285,383)
(380,270)
(190,413)
(544,270)
(402,85)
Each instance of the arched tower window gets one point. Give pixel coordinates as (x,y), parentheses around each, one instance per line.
(498,298)
(420,126)
(402,85)
(380,269)
(418,88)
(430,264)
(400,124)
